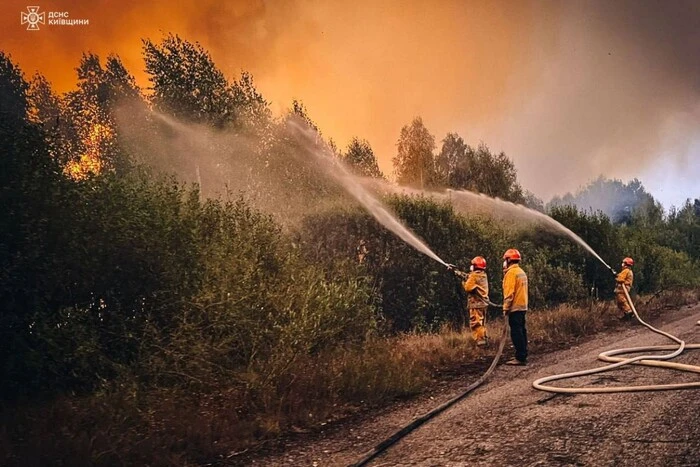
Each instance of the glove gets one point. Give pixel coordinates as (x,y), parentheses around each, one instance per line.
(451,267)
(614,272)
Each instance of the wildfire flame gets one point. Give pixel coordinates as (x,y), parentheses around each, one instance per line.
(91,163)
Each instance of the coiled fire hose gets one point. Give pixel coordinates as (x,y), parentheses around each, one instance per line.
(394,438)
(656,360)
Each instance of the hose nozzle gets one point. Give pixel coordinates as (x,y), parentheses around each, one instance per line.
(453,269)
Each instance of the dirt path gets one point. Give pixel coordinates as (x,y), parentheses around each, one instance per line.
(507,422)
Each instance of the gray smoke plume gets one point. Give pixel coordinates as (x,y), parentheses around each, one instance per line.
(616,92)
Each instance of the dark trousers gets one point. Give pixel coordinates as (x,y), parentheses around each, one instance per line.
(518,334)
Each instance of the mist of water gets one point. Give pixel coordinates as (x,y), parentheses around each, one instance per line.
(367,191)
(541,217)
(331,166)
(467,201)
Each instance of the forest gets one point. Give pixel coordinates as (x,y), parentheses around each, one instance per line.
(178,281)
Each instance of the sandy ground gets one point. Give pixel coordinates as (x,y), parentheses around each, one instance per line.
(507,422)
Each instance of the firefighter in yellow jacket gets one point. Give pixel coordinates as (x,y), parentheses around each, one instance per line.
(476,286)
(624,279)
(515,304)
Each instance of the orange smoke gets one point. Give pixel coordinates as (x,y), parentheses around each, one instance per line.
(362,68)
(568,90)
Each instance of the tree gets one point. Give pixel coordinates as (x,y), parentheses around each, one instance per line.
(461,167)
(531,201)
(252,110)
(13,91)
(334,149)
(683,232)
(596,229)
(495,175)
(299,111)
(48,110)
(616,199)
(120,84)
(44,105)
(90,132)
(414,162)
(186,82)
(29,213)
(453,162)
(361,159)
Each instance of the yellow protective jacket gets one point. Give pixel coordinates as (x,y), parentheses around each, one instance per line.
(514,289)
(626,276)
(477,288)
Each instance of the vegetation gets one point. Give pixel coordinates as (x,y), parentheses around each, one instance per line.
(162,322)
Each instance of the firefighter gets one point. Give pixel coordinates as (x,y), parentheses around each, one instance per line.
(515,304)
(624,279)
(476,286)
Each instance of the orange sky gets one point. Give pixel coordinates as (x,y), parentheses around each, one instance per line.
(550,83)
(362,68)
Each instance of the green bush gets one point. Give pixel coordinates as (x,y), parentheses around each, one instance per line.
(139,273)
(416,292)
(550,284)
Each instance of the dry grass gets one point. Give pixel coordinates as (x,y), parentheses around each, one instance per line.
(128,425)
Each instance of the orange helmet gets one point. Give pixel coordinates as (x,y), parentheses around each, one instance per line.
(512,255)
(479,262)
(628,262)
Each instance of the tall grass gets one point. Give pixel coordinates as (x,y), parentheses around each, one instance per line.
(125,424)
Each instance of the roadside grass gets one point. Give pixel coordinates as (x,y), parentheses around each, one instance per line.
(128,425)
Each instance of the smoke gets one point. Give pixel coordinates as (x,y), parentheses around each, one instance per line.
(569,90)
(618,95)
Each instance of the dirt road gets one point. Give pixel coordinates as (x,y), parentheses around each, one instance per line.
(507,422)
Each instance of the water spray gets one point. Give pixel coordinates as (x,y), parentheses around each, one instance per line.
(331,166)
(353,185)
(348,181)
(487,203)
(547,220)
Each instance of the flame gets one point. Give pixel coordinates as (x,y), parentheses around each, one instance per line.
(91,162)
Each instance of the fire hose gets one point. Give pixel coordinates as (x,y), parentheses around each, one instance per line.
(655,360)
(607,356)
(402,432)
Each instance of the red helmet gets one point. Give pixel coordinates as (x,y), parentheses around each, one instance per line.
(628,261)
(512,255)
(479,262)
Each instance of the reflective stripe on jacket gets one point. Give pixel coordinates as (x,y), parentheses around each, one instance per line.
(477,288)
(514,289)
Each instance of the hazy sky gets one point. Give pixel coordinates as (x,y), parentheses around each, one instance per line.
(569,90)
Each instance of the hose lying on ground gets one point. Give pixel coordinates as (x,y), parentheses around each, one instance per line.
(391,440)
(647,360)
